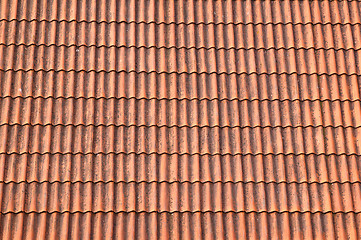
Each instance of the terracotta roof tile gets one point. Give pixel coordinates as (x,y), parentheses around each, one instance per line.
(180,119)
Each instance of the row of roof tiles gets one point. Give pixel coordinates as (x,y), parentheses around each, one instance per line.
(181,226)
(179,113)
(278,36)
(179,140)
(179,197)
(124,59)
(276,87)
(21,58)
(184,11)
(139,168)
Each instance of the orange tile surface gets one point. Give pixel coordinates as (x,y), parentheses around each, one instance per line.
(180,119)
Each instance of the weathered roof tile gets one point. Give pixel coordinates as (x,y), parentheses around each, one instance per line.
(180,119)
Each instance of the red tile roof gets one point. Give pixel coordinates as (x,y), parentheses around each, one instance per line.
(180,119)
